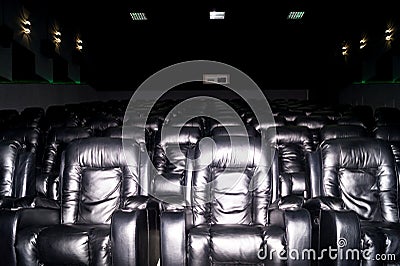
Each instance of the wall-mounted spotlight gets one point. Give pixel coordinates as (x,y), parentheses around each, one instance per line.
(345,49)
(79,44)
(389,34)
(26,26)
(363,42)
(57,37)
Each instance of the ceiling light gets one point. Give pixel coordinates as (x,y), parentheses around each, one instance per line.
(138,16)
(295,15)
(217,15)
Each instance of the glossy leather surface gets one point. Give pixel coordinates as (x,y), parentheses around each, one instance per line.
(8,159)
(362,172)
(359,174)
(16,170)
(343,131)
(170,160)
(28,137)
(56,142)
(99,180)
(314,123)
(98,177)
(228,222)
(289,169)
(392,135)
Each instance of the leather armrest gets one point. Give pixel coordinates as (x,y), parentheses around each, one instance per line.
(134,237)
(297,226)
(324,203)
(12,221)
(173,238)
(36,201)
(336,230)
(313,160)
(290,202)
(7,202)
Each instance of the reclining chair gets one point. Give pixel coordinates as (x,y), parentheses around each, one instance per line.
(357,210)
(102,221)
(236,226)
(17,178)
(289,168)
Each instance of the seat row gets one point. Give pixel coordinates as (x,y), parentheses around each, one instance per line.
(220,203)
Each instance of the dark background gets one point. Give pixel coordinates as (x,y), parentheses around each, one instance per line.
(255,37)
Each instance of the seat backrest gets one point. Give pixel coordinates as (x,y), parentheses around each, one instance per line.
(277,122)
(98,177)
(234,131)
(170,160)
(56,142)
(230,183)
(350,120)
(365,113)
(16,178)
(289,167)
(385,116)
(314,123)
(28,137)
(342,131)
(362,172)
(392,135)
(99,124)
(171,150)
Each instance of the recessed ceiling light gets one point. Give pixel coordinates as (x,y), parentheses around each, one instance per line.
(295,15)
(138,16)
(217,15)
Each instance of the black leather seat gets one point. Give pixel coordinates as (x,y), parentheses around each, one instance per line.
(390,134)
(350,120)
(278,121)
(228,219)
(28,137)
(16,173)
(342,131)
(170,160)
(289,168)
(139,134)
(221,131)
(365,114)
(47,181)
(314,124)
(358,175)
(386,116)
(104,220)
(100,123)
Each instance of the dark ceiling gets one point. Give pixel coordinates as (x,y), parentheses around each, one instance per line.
(255,37)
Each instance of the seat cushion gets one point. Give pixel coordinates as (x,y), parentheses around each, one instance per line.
(75,245)
(381,241)
(227,244)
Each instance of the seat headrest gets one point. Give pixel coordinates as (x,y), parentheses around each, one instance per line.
(357,153)
(102,152)
(231,152)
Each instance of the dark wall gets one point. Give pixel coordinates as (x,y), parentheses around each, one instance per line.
(35,57)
